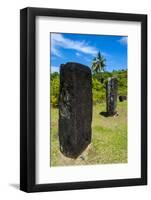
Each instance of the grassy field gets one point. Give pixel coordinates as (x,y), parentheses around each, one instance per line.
(109,139)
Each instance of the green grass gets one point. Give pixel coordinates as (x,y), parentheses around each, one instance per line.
(109,139)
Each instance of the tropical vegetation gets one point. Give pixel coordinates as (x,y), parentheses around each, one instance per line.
(98,88)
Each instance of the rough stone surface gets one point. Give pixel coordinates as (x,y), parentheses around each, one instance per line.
(111,96)
(75,109)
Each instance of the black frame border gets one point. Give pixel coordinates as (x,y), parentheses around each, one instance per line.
(27,99)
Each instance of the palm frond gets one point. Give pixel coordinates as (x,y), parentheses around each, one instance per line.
(98,63)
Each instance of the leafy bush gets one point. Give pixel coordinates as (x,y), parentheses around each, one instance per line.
(54,90)
(98,88)
(98,91)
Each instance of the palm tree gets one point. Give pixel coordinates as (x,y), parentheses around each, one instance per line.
(98,65)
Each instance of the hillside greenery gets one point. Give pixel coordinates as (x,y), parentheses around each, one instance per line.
(98,85)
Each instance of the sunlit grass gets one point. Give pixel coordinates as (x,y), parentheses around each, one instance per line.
(109,139)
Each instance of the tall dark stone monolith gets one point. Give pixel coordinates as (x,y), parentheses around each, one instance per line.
(111,96)
(75,109)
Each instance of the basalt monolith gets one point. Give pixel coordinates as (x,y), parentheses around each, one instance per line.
(75,109)
(111,96)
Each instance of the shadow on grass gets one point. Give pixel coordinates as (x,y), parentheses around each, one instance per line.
(104,114)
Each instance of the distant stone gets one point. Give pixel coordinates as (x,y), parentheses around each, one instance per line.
(111,96)
(75,109)
(122,98)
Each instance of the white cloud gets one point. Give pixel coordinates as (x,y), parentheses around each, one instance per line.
(58,40)
(54,69)
(55,51)
(123,40)
(78,54)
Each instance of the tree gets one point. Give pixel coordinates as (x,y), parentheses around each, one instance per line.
(54,89)
(98,64)
(54,75)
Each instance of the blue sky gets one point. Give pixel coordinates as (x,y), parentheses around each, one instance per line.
(82,48)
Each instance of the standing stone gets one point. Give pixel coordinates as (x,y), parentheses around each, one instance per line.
(111,96)
(75,109)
